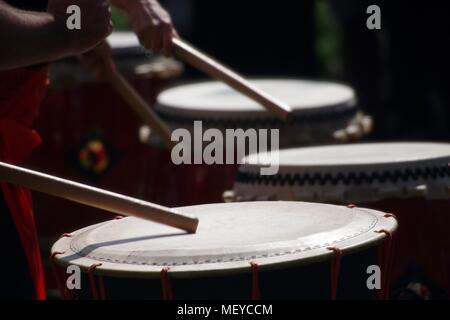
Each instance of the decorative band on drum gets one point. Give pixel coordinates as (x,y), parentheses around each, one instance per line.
(321,179)
(343,111)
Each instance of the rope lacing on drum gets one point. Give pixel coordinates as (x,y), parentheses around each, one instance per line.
(256,293)
(385,260)
(335,269)
(59,275)
(97,293)
(352,178)
(165,284)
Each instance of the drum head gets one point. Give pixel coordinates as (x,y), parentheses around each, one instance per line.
(371,171)
(230,236)
(214,99)
(362,155)
(123,40)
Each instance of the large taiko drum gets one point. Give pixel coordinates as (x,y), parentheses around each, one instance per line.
(269,250)
(90,134)
(323,113)
(411,180)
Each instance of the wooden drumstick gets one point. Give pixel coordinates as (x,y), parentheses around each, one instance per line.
(218,71)
(110,73)
(95,197)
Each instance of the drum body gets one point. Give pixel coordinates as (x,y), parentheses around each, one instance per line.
(241,250)
(323,113)
(89,132)
(410,180)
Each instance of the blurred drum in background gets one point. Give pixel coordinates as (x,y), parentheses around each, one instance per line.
(323,113)
(90,134)
(410,180)
(268,250)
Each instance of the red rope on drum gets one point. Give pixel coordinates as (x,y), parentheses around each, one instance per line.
(119,217)
(101,284)
(165,284)
(59,276)
(351,206)
(385,257)
(256,293)
(335,269)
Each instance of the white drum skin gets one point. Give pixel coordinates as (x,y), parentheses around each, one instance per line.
(280,237)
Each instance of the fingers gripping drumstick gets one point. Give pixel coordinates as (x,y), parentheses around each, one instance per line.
(95,197)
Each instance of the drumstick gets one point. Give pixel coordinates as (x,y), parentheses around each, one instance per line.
(130,95)
(218,71)
(95,197)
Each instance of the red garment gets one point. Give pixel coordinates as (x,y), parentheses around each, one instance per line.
(21,93)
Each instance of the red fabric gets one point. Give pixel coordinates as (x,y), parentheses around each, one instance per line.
(21,92)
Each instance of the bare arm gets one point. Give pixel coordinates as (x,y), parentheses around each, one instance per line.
(28,38)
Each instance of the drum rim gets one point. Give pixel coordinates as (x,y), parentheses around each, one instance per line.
(296,259)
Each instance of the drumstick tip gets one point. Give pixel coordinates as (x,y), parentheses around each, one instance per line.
(194,225)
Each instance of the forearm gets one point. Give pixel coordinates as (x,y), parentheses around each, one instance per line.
(28,38)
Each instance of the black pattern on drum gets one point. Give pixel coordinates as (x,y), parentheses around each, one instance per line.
(341,112)
(352,178)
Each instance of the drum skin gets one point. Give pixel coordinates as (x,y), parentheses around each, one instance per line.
(289,242)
